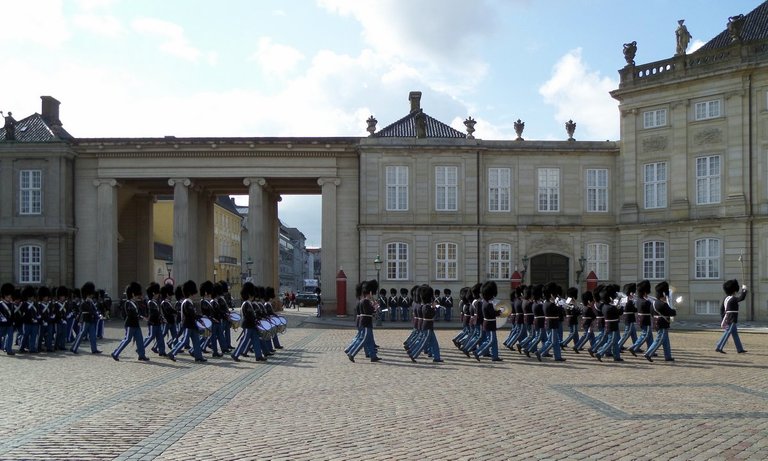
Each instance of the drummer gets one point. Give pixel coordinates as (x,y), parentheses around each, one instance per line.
(224,300)
(249,337)
(189,324)
(270,295)
(210,308)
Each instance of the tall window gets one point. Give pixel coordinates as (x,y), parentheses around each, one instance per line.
(549,189)
(654,257)
(397,261)
(597,190)
(30,185)
(498,189)
(447,261)
(708,180)
(30,264)
(654,118)
(707,109)
(707,307)
(597,260)
(397,188)
(499,258)
(708,258)
(655,184)
(446,187)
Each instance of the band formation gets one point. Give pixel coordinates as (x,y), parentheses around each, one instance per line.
(45,320)
(538,315)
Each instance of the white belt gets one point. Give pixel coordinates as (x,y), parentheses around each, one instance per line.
(731,312)
(551,318)
(612,320)
(365,315)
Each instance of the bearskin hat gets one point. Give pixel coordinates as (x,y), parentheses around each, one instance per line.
(587,297)
(643,288)
(426,294)
(88,289)
(370,286)
(189,288)
(133,289)
(7,290)
(630,288)
(731,286)
(662,289)
(572,292)
(489,290)
(62,292)
(43,292)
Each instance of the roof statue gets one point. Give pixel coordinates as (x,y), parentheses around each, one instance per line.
(629,52)
(683,37)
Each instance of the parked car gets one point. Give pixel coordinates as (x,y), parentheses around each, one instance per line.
(306,299)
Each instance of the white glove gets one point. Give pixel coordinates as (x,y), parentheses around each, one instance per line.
(744,288)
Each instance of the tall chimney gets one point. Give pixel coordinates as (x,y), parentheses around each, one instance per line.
(415,98)
(51,110)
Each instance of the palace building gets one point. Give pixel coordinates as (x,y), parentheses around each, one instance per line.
(681,197)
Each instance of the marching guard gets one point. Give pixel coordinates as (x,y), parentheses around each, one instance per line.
(155,320)
(367,311)
(89,315)
(730,310)
(189,323)
(488,291)
(133,294)
(7,314)
(662,316)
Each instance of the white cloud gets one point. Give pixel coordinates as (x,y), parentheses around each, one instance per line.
(173,40)
(88,5)
(103,25)
(275,58)
(580,94)
(41,22)
(695,45)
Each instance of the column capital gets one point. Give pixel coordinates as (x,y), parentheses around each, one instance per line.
(184,181)
(106,181)
(256,181)
(324,181)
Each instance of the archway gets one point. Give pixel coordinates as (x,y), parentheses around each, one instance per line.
(550,267)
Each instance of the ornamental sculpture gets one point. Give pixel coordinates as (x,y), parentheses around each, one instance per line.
(570,128)
(371,125)
(519,127)
(629,52)
(470,124)
(683,38)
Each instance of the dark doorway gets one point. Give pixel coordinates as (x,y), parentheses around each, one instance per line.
(550,267)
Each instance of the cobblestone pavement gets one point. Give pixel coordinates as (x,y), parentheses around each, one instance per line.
(309,402)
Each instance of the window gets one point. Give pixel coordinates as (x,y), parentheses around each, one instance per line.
(707,258)
(499,257)
(597,190)
(549,189)
(597,261)
(498,189)
(654,255)
(397,188)
(30,185)
(447,261)
(707,307)
(397,261)
(30,264)
(655,184)
(654,118)
(708,180)
(446,179)
(707,109)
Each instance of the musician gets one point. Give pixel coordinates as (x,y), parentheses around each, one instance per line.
(475,323)
(404,301)
(571,316)
(270,296)
(189,324)
(428,313)
(539,295)
(599,322)
(367,311)
(89,315)
(662,314)
(554,313)
(588,317)
(60,306)
(359,334)
(447,302)
(644,318)
(515,317)
(155,320)
(527,306)
(630,330)
(209,309)
(7,312)
(612,315)
(464,318)
(133,295)
(48,318)
(73,314)
(225,306)
(178,295)
(169,314)
(30,320)
(417,334)
(248,323)
(730,308)
(261,314)
(488,291)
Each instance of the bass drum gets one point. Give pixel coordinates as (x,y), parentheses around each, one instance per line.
(282,324)
(264,328)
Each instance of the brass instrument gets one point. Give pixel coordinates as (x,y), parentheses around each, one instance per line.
(505,307)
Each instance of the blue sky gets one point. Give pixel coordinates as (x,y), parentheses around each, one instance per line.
(320,67)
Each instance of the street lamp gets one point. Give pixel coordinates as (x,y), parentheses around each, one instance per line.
(214,275)
(582,263)
(525,267)
(377,264)
(169,267)
(249,263)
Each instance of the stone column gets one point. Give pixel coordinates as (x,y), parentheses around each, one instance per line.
(258,232)
(106,275)
(145,247)
(183,225)
(272,263)
(205,239)
(328,242)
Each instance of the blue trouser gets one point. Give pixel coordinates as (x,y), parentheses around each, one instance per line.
(404,314)
(630,332)
(524,336)
(474,338)
(646,336)
(358,337)
(131,333)
(428,342)
(247,340)
(513,333)
(193,335)
(49,332)
(554,340)
(587,336)
(276,341)
(448,314)
(611,344)
(71,332)
(215,338)
(539,336)
(599,340)
(662,339)
(100,328)
(365,341)
(730,331)
(174,333)
(414,338)
(546,344)
(61,335)
(462,334)
(573,334)
(29,337)
(156,334)
(226,334)
(6,332)
(491,342)
(86,328)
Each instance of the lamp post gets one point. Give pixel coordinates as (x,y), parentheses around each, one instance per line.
(249,263)
(525,268)
(169,267)
(582,263)
(214,275)
(377,265)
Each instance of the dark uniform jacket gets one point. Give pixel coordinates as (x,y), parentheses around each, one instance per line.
(588,316)
(644,312)
(6,313)
(612,314)
(538,315)
(552,312)
(489,315)
(248,315)
(169,311)
(662,313)
(366,313)
(188,314)
(629,311)
(154,316)
(131,314)
(428,312)
(88,311)
(730,306)
(528,311)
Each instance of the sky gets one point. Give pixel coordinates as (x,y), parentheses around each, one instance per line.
(145,68)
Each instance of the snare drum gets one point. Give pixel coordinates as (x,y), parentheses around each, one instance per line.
(204,325)
(282,324)
(265,329)
(234,319)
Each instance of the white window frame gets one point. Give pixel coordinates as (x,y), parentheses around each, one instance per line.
(499,180)
(708,179)
(499,261)
(654,118)
(707,257)
(397,261)
(597,190)
(446,188)
(397,187)
(707,306)
(655,185)
(30,192)
(30,263)
(446,261)
(598,259)
(707,109)
(548,180)
(654,260)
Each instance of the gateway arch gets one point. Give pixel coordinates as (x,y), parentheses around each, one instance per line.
(117,180)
